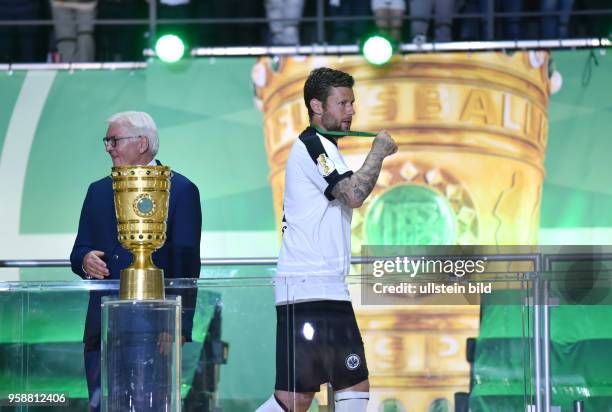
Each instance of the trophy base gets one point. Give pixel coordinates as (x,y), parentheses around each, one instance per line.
(141,355)
(141,284)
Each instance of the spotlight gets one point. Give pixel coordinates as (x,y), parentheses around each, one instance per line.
(377,50)
(170,48)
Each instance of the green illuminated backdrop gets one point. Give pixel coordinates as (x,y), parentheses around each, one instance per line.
(52,122)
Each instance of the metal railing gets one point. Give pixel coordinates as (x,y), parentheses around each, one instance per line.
(489,18)
(474,46)
(535,260)
(59,263)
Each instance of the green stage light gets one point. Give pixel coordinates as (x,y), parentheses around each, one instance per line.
(377,50)
(169,48)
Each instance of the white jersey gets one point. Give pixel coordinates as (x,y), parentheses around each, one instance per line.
(316,247)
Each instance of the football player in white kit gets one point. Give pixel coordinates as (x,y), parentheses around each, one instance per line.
(317,338)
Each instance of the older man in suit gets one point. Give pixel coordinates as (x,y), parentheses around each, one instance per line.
(131,139)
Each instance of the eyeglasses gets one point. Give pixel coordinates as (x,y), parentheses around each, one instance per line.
(112,140)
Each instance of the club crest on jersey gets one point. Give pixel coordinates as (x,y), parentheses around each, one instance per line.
(325,165)
(352,362)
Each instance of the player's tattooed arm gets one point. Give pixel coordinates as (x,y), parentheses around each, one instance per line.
(353,190)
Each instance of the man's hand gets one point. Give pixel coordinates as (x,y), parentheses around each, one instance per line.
(94,266)
(384,144)
(354,190)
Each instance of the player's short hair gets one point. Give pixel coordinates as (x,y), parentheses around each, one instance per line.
(321,81)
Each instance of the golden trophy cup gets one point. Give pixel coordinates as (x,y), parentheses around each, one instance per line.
(142,194)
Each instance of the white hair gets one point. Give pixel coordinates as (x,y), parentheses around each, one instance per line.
(138,124)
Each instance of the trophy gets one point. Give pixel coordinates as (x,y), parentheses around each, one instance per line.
(132,324)
(141,204)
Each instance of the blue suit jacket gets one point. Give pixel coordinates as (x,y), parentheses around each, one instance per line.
(179,257)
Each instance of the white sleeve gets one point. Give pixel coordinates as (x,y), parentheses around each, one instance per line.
(324,168)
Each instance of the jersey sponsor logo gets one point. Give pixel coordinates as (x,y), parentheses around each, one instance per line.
(352,361)
(325,165)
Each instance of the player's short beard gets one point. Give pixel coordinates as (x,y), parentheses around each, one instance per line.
(330,123)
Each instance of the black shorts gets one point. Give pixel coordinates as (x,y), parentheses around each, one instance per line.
(318,342)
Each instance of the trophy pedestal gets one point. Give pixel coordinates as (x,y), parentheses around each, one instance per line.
(141,355)
(141,284)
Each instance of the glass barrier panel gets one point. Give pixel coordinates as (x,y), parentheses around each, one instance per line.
(430,343)
(578,293)
(229,364)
